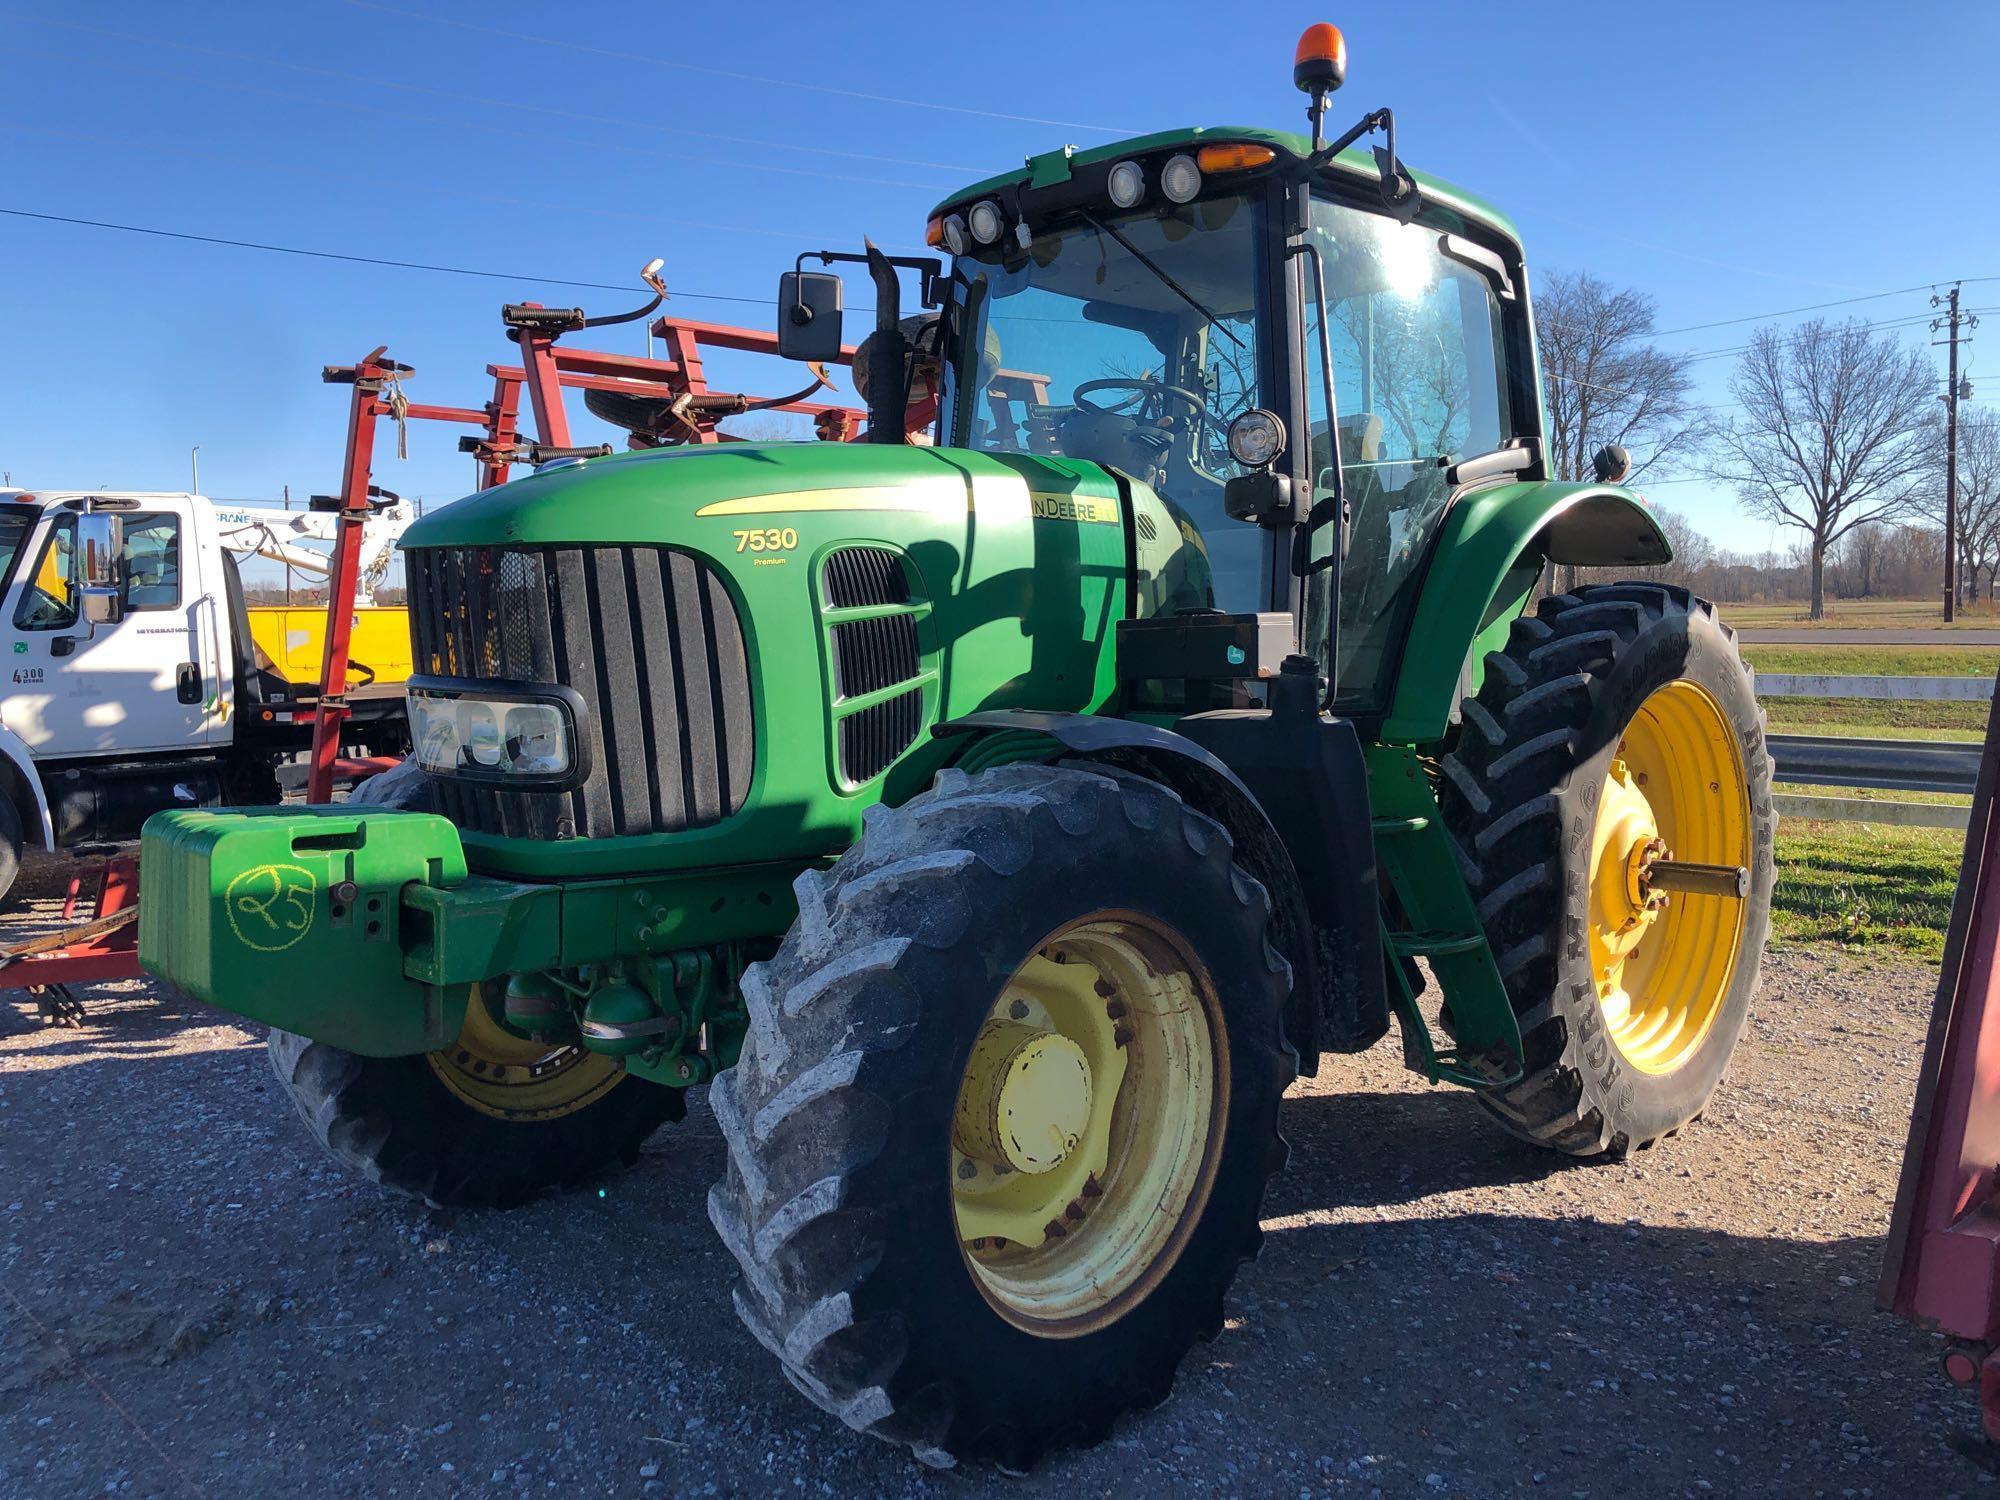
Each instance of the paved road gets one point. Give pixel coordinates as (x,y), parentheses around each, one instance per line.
(1781,635)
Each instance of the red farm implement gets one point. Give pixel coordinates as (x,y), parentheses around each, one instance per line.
(659,401)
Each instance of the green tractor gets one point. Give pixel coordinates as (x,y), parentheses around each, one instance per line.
(998,818)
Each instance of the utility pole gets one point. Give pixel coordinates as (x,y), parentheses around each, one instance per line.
(1951,322)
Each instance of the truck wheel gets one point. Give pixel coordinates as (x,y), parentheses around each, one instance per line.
(488,1123)
(10,850)
(1618,727)
(1006,1112)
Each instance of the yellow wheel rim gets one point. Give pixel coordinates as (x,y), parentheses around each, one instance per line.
(1663,963)
(514,1078)
(1088,1124)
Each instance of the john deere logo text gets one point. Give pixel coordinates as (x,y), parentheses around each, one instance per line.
(271,906)
(1073,508)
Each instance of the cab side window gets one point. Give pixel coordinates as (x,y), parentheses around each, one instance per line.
(49,602)
(152,562)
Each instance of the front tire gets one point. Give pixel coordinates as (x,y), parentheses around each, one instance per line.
(489,1122)
(947,1240)
(1618,727)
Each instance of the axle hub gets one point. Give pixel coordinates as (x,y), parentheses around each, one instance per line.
(1025,1101)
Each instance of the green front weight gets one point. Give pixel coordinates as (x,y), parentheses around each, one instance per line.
(294,917)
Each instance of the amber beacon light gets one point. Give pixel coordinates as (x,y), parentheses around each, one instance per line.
(1320,64)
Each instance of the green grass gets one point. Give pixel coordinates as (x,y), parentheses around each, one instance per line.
(1858,886)
(1877,718)
(1875,661)
(1861,614)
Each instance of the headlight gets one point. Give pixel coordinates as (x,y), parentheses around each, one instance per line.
(1128,183)
(1256,437)
(1180,179)
(514,734)
(955,239)
(987,225)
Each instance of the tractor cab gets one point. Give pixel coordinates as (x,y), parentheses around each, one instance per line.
(1201,307)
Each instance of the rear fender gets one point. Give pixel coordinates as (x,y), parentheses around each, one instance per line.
(1483,568)
(21,784)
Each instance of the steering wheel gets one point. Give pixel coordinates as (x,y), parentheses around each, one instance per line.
(1147,400)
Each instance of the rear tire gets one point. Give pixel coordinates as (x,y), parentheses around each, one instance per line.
(1600,694)
(845,1183)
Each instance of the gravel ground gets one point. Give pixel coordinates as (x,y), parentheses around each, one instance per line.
(193,1302)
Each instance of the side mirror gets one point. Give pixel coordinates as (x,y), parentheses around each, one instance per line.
(809,316)
(100,542)
(1612,465)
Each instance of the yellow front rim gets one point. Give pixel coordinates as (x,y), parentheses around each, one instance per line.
(1088,1123)
(514,1078)
(1663,964)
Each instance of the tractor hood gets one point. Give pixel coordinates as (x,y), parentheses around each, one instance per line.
(757,639)
(699,496)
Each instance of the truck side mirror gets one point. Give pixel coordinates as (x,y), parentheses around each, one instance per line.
(809,316)
(100,542)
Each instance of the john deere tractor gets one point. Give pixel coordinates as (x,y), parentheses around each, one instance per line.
(997,817)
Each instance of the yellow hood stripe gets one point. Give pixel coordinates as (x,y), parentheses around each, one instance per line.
(925,497)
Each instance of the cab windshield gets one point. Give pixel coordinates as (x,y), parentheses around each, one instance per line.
(16,521)
(1130,340)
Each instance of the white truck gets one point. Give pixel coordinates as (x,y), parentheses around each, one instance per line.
(137,677)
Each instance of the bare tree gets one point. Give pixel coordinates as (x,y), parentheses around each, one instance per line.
(1605,382)
(1835,432)
(1861,556)
(1978,501)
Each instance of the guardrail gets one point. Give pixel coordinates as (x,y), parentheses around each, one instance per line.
(1927,689)
(1875,764)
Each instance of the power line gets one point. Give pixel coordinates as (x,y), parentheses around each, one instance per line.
(371,260)
(436,93)
(653,60)
(791,235)
(1787,312)
(458,123)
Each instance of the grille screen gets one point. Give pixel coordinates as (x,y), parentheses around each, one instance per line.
(872,655)
(650,640)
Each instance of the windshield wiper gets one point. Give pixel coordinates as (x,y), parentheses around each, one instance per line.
(1165,280)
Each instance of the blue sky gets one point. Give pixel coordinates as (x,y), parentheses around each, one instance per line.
(1731,160)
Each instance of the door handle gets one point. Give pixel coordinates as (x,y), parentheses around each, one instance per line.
(187,683)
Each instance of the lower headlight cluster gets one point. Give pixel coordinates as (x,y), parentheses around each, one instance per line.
(518,738)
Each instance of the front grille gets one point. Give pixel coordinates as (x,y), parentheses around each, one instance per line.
(647,636)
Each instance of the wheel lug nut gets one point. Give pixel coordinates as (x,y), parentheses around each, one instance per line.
(1074,1213)
(1116,1010)
(1092,1188)
(1122,1036)
(1018,1010)
(1104,989)
(967,1170)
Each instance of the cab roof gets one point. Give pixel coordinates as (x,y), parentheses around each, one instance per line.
(1354,160)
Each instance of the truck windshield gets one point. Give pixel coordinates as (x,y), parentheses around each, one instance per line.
(16,521)
(1131,341)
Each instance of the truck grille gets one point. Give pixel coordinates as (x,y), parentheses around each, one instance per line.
(647,636)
